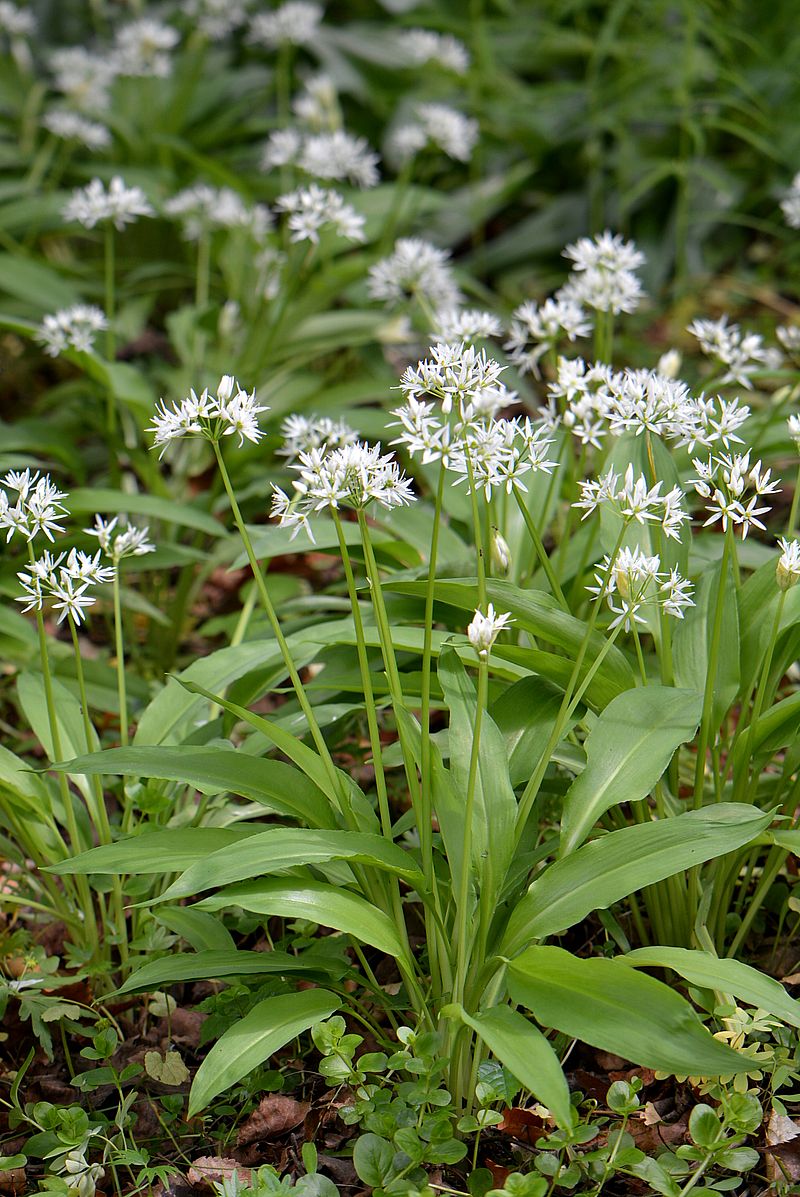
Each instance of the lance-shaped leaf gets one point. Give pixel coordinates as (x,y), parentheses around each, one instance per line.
(199,966)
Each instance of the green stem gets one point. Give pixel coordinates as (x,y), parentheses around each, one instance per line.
(201,292)
(478,534)
(794,508)
(462,910)
(740,783)
(711,675)
(544,560)
(119,648)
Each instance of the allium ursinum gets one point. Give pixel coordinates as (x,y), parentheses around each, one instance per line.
(742,355)
(421,46)
(83,77)
(35,505)
(353,475)
(465,324)
(293,23)
(494,454)
(789,337)
(127,541)
(229,412)
(437,126)
(71,328)
(15,21)
(63,582)
(459,376)
(536,330)
(634,501)
(788,569)
(415,268)
(335,155)
(582,393)
(790,204)
(119,204)
(669,364)
(484,629)
(71,126)
(636,581)
(313,210)
(216,18)
(725,480)
(793,424)
(317,105)
(301,434)
(202,208)
(144,48)
(603,273)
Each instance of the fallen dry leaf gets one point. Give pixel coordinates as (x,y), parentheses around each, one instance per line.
(274,1115)
(210,1168)
(522,1124)
(783,1148)
(12,1180)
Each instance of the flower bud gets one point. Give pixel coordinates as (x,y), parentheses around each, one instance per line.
(500,553)
(669,363)
(787,572)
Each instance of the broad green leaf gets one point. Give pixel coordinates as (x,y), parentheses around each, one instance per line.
(728,976)
(152,507)
(317,902)
(615,865)
(279,848)
(523,1049)
(253,1039)
(776,728)
(279,786)
(34,282)
(611,1006)
(627,750)
(199,928)
(691,642)
(166,851)
(69,720)
(525,715)
(207,965)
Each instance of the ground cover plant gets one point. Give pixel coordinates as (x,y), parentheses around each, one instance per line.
(399,787)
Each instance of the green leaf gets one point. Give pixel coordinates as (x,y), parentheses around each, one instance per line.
(253,1039)
(525,714)
(613,1007)
(523,1049)
(615,865)
(318,902)
(200,966)
(728,976)
(280,788)
(168,1069)
(279,848)
(90,500)
(372,1159)
(200,929)
(692,640)
(167,851)
(627,750)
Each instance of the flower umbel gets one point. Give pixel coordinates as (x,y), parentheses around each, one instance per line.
(484,629)
(231,411)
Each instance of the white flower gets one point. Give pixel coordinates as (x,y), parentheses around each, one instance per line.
(742,354)
(789,337)
(293,23)
(143,48)
(339,155)
(352,475)
(421,46)
(793,424)
(435,125)
(460,376)
(669,364)
(71,328)
(634,501)
(127,542)
(312,209)
(202,208)
(545,326)
(301,434)
(74,127)
(788,569)
(84,78)
(484,629)
(634,581)
(94,204)
(231,411)
(790,204)
(724,480)
(465,324)
(15,21)
(605,290)
(414,268)
(63,583)
(217,18)
(604,252)
(38,506)
(317,105)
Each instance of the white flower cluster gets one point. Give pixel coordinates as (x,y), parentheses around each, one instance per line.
(144,47)
(15,21)
(435,125)
(63,582)
(317,105)
(741,354)
(302,434)
(465,324)
(634,501)
(313,209)
(788,569)
(725,481)
(128,541)
(94,204)
(484,629)
(635,581)
(603,274)
(536,330)
(294,23)
(353,475)
(331,155)
(85,78)
(38,505)
(461,429)
(789,337)
(202,208)
(216,18)
(231,411)
(790,204)
(71,126)
(421,46)
(415,268)
(71,328)
(598,401)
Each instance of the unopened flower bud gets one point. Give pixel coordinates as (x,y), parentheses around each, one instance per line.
(787,573)
(669,363)
(500,553)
